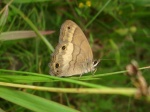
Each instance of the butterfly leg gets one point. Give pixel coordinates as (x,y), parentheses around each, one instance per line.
(93,72)
(80,76)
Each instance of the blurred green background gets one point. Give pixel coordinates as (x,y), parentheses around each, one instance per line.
(118,31)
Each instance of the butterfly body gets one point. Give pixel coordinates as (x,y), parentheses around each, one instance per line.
(73,54)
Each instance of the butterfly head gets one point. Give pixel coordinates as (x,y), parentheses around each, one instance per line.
(95,63)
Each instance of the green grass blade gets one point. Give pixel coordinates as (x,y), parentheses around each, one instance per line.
(33,27)
(97,13)
(32,102)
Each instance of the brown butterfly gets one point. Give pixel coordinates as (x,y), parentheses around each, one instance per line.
(73,54)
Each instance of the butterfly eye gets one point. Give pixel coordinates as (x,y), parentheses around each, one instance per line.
(95,62)
(57,65)
(63,47)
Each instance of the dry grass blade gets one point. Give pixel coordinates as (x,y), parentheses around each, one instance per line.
(14,35)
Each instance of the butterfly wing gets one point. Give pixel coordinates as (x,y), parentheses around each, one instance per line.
(73,54)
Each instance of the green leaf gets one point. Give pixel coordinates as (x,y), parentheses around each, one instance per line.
(32,102)
(3,16)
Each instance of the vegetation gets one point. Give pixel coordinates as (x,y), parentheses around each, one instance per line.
(118,32)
